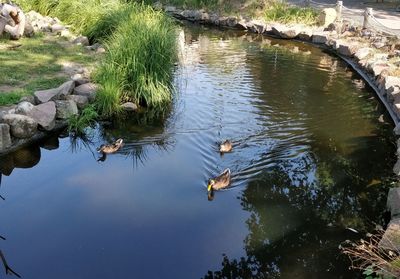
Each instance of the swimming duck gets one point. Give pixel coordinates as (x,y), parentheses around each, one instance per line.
(225,147)
(220,182)
(110,148)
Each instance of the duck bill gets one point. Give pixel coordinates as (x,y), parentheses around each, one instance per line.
(209,188)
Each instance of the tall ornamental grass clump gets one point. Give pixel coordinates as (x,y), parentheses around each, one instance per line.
(140,42)
(139,63)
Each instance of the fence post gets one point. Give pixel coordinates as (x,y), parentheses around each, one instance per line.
(339,6)
(367,13)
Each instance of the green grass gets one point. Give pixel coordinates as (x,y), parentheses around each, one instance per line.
(283,12)
(140,43)
(36,64)
(138,65)
(78,123)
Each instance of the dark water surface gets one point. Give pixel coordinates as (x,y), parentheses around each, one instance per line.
(312,157)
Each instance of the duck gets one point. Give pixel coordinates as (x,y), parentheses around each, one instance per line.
(110,148)
(225,146)
(220,182)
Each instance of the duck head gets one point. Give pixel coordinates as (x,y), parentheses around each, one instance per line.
(119,142)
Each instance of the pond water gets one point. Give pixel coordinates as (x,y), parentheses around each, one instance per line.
(312,157)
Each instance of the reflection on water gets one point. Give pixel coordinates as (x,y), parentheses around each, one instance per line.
(312,157)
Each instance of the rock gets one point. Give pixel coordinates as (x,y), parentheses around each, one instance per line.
(129,107)
(396,109)
(22,126)
(24,108)
(81,101)
(256,26)
(232,21)
(65,33)
(347,48)
(393,94)
(396,131)
(378,67)
(327,16)
(391,81)
(81,40)
(43,96)
(81,81)
(391,238)
(5,138)
(362,53)
(57,28)
(87,89)
(65,109)
(285,32)
(378,45)
(169,9)
(100,50)
(331,27)
(320,37)
(30,99)
(158,6)
(45,115)
(393,201)
(29,31)
(305,34)
(66,89)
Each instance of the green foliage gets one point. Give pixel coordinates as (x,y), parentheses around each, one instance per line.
(9,98)
(139,63)
(141,44)
(283,12)
(78,123)
(35,65)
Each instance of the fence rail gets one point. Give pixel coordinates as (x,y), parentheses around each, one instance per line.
(364,18)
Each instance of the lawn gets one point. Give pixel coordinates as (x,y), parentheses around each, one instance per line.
(37,63)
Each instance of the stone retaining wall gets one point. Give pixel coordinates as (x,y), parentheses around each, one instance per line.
(44,112)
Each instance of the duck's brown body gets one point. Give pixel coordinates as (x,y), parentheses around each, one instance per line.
(225,147)
(221,181)
(111,148)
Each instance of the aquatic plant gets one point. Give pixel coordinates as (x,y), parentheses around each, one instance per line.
(78,123)
(375,261)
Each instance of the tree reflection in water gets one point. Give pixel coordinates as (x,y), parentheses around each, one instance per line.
(299,218)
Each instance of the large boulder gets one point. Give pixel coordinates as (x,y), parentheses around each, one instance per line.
(5,137)
(45,115)
(320,37)
(44,96)
(286,32)
(347,48)
(326,17)
(88,90)
(22,126)
(65,109)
